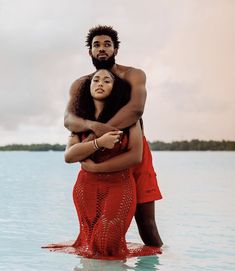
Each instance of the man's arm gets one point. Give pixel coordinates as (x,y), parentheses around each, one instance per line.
(76,124)
(122,161)
(71,121)
(132,111)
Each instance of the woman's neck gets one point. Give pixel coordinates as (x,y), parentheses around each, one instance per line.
(99,105)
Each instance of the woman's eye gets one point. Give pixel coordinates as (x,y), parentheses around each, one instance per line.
(107,82)
(95,80)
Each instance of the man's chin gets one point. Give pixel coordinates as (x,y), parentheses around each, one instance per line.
(102,58)
(103,62)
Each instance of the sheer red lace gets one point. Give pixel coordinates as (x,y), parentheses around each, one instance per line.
(105,204)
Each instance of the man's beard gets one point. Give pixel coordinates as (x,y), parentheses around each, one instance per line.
(103,64)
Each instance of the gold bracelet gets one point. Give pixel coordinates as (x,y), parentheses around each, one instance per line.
(93,143)
(96,147)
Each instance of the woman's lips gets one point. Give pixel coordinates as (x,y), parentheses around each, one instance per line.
(99,90)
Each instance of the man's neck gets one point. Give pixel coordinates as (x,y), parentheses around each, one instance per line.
(117,69)
(114,69)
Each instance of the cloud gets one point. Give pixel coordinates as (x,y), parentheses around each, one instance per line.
(185,48)
(191,78)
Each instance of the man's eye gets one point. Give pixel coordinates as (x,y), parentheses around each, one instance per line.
(107,82)
(96,45)
(107,45)
(95,80)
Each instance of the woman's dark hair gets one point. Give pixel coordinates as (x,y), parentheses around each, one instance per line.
(119,96)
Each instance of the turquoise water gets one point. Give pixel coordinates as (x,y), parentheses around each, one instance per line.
(195,218)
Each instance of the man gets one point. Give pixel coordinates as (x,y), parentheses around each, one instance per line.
(103,45)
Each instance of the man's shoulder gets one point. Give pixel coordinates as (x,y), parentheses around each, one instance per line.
(81,79)
(78,82)
(135,71)
(135,75)
(130,72)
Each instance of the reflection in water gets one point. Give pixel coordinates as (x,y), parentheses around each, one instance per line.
(145,263)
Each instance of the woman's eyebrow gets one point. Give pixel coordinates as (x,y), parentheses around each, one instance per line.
(105,77)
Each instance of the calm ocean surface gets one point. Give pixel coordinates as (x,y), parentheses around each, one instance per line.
(196,218)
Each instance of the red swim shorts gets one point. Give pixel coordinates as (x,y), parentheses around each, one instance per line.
(145,177)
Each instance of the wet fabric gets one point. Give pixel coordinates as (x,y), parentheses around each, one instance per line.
(105,204)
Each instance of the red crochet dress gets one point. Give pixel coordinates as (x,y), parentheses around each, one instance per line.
(105,204)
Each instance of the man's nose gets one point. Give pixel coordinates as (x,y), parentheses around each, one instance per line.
(101,50)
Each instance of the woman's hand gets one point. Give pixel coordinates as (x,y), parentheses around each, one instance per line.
(109,139)
(89,165)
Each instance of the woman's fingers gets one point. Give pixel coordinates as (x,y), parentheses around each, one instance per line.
(116,136)
(115,132)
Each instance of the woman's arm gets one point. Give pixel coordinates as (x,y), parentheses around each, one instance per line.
(77,151)
(122,161)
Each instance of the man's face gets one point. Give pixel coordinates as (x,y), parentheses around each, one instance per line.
(102,48)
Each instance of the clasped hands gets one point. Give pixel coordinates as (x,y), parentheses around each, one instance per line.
(107,136)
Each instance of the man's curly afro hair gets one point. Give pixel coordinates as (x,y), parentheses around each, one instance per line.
(102,30)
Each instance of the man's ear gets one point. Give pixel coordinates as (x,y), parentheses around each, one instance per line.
(90,52)
(115,51)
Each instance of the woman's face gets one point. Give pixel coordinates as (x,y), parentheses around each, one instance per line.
(101,85)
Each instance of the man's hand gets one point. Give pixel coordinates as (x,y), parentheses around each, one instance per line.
(89,165)
(101,128)
(90,137)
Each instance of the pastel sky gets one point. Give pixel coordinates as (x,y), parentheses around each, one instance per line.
(185,47)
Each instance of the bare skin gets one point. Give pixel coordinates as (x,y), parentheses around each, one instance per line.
(102,49)
(126,116)
(77,151)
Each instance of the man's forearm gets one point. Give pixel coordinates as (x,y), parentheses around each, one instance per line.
(76,124)
(125,117)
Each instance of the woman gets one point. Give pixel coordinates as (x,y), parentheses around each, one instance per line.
(105,199)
